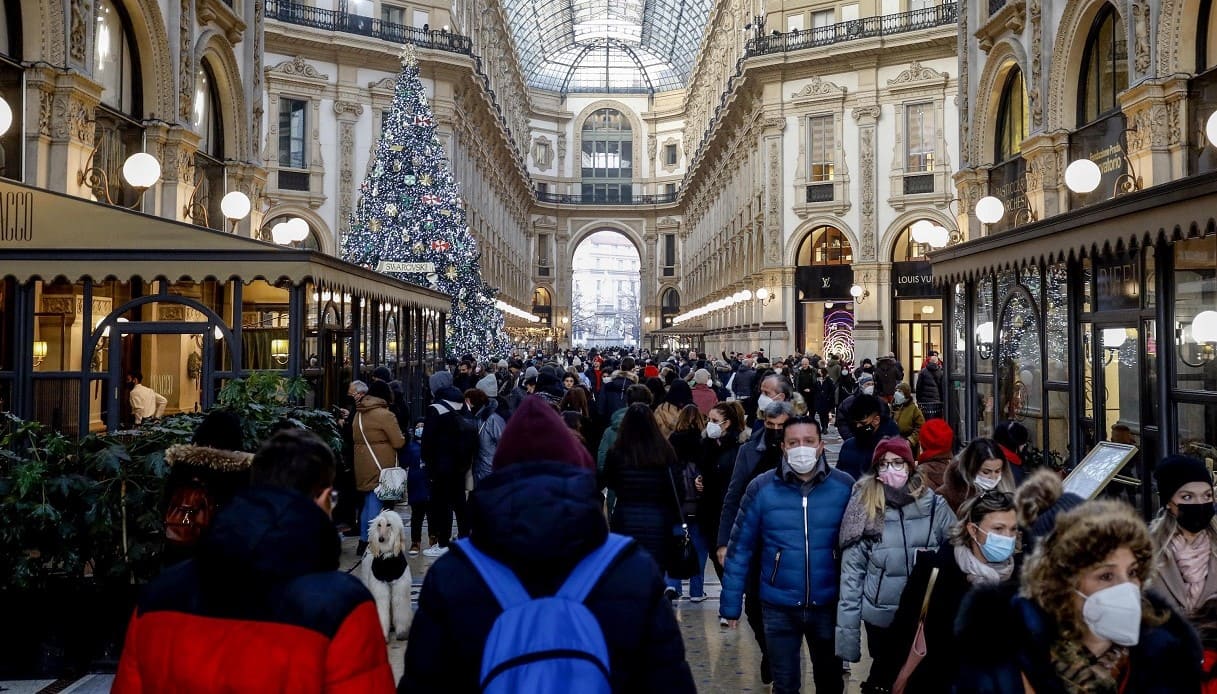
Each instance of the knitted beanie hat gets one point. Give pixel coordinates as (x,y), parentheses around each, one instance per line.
(892,444)
(936,439)
(1177,470)
(535,432)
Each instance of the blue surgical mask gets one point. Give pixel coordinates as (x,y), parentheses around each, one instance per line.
(418,433)
(996,548)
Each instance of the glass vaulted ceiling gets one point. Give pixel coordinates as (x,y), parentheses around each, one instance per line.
(607,45)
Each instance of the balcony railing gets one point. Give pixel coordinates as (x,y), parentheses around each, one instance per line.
(865,28)
(334,20)
(565,199)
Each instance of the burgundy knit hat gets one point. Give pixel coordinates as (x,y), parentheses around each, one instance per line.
(892,444)
(936,438)
(535,432)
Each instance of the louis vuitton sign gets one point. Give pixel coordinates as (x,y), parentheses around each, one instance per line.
(913,280)
(822,282)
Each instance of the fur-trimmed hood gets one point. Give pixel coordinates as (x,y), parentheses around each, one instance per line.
(210,458)
(624,374)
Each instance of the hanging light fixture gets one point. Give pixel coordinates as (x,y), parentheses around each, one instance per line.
(6,116)
(990,210)
(1083,176)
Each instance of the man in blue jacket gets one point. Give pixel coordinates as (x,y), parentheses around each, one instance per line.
(870,426)
(791,517)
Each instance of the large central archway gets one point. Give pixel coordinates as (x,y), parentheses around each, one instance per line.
(606,278)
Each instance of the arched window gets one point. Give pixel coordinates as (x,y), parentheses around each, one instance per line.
(10,28)
(906,248)
(114,59)
(607,157)
(207,121)
(540,297)
(1206,37)
(825,246)
(1104,67)
(310,242)
(1011,117)
(669,305)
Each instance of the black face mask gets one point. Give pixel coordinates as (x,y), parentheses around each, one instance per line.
(864,429)
(773,439)
(1194,517)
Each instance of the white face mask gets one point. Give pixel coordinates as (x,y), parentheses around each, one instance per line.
(764,401)
(985,483)
(1114,613)
(802,459)
(868,389)
(899,398)
(713,430)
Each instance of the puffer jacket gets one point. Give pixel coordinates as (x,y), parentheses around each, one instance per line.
(376,432)
(540,519)
(930,385)
(608,439)
(874,571)
(794,527)
(262,608)
(749,462)
(645,508)
(612,394)
(716,465)
(888,372)
(490,430)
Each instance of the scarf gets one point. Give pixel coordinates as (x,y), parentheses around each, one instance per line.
(1192,558)
(897,498)
(857,524)
(1081,672)
(982,573)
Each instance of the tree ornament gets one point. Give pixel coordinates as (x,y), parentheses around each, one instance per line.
(425,179)
(378,170)
(410,179)
(391,209)
(450,273)
(418,248)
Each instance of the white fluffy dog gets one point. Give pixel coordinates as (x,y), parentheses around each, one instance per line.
(387,574)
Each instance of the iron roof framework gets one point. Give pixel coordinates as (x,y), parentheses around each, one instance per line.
(611,46)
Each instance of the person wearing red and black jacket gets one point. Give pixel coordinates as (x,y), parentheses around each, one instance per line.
(262,606)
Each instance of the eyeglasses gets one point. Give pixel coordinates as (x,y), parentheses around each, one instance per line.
(896,464)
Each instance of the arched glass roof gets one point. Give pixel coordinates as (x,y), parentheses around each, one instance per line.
(607,45)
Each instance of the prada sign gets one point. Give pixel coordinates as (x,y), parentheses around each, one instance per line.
(913,280)
(823,282)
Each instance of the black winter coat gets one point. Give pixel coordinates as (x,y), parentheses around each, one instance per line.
(826,396)
(1003,637)
(930,385)
(855,456)
(540,519)
(716,465)
(937,671)
(646,508)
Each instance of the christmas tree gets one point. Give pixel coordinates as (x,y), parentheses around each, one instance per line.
(410,221)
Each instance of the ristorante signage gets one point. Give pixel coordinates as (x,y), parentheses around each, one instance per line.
(16,218)
(913,280)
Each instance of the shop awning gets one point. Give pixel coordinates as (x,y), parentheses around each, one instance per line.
(46,235)
(1177,210)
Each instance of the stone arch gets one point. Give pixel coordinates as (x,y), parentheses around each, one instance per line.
(637,136)
(791,254)
(325,236)
(214,49)
(887,242)
(1067,59)
(1004,57)
(604,225)
(43,32)
(155,64)
(1177,34)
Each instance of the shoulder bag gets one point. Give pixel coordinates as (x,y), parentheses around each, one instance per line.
(681,561)
(917,651)
(392,486)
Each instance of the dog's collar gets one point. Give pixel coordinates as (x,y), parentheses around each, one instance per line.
(389,567)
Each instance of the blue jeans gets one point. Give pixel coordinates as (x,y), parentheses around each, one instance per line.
(785,630)
(372,506)
(697,587)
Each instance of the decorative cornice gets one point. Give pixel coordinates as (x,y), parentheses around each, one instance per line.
(297,67)
(916,72)
(871,111)
(819,88)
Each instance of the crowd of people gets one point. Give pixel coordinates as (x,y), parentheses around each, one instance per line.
(958,568)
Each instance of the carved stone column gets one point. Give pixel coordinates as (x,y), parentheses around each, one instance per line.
(772,143)
(1154,111)
(175,147)
(870,337)
(348,113)
(1047,155)
(971,185)
(251,180)
(867,116)
(65,125)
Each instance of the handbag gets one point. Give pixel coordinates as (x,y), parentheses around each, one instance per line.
(392,485)
(681,561)
(917,650)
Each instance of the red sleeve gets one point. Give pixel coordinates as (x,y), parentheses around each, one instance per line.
(357,659)
(128,681)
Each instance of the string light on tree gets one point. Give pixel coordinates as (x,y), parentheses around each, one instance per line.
(411,212)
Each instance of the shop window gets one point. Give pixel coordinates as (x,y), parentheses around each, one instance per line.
(1056,311)
(1104,67)
(115,62)
(1198,430)
(1021,369)
(293,129)
(825,246)
(906,249)
(1196,313)
(207,120)
(984,334)
(959,337)
(1011,117)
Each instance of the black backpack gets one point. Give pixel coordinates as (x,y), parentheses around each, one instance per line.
(467,442)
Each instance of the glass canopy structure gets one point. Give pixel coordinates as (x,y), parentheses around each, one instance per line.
(608,46)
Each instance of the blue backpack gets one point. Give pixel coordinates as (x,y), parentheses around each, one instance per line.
(549,644)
